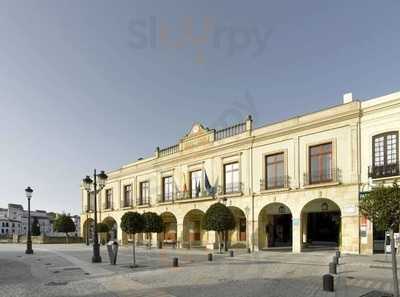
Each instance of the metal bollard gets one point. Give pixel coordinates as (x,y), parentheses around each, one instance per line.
(332,268)
(327,280)
(175,262)
(335,260)
(210,257)
(231,253)
(249,250)
(338,254)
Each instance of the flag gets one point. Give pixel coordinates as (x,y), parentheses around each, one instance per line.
(207,184)
(198,189)
(184,188)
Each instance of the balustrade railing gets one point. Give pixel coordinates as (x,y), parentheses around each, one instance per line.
(384,170)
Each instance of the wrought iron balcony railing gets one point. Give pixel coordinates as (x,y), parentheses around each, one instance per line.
(179,195)
(383,171)
(276,182)
(230,188)
(321,176)
(143,201)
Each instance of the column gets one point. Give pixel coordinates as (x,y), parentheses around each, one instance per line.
(296,234)
(179,235)
(350,241)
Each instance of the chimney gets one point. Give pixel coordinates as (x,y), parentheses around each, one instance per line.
(347,98)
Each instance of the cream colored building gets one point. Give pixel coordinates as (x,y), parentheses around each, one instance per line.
(292,184)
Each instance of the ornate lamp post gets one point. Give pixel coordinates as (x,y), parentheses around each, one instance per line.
(29,251)
(89,184)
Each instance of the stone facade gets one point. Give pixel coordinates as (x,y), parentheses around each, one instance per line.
(292,210)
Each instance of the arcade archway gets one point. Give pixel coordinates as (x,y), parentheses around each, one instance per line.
(169,235)
(321,224)
(88,228)
(237,238)
(275,226)
(193,233)
(113,228)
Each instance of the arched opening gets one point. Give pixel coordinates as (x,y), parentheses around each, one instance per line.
(169,235)
(88,228)
(193,233)
(321,224)
(275,226)
(237,237)
(113,228)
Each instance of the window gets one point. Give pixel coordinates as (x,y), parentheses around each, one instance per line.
(90,206)
(385,155)
(144,193)
(231,178)
(168,188)
(195,183)
(385,149)
(275,171)
(320,167)
(108,202)
(127,195)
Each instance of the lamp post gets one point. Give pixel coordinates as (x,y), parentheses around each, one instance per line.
(89,184)
(29,251)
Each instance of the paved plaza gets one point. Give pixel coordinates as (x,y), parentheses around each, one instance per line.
(66,270)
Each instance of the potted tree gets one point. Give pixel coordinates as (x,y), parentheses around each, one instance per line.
(152,224)
(219,218)
(64,224)
(103,229)
(382,206)
(132,223)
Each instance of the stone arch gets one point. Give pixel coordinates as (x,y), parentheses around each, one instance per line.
(237,238)
(113,228)
(169,236)
(275,226)
(88,227)
(193,233)
(321,224)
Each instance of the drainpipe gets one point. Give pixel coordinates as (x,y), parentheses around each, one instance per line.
(252,191)
(359,168)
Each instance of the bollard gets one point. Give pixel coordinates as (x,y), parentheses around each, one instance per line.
(335,260)
(338,254)
(327,280)
(210,257)
(175,262)
(231,253)
(249,250)
(332,268)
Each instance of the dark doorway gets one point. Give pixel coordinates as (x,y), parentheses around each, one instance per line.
(279,232)
(323,227)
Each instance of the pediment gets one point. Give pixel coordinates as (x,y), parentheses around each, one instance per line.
(196,130)
(198,135)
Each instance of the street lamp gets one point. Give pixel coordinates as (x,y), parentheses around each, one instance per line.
(29,251)
(89,184)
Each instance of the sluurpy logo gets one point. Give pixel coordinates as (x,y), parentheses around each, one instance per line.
(153,33)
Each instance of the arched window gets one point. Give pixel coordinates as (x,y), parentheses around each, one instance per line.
(385,155)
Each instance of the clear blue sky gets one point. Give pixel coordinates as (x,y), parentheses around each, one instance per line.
(88,84)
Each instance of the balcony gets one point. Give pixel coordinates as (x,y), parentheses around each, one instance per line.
(274,183)
(317,177)
(388,170)
(231,189)
(142,202)
(183,196)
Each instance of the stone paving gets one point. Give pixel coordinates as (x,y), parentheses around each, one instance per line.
(61,270)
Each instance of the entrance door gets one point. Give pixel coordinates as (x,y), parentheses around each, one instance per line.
(280,231)
(323,228)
